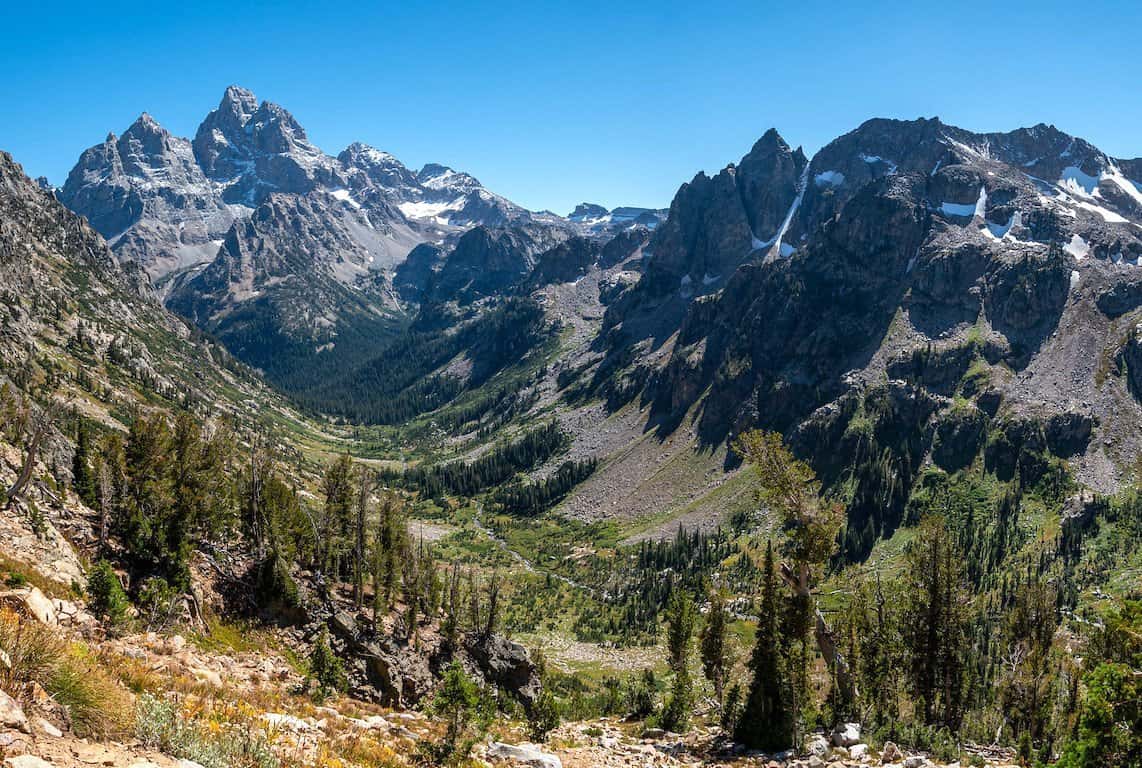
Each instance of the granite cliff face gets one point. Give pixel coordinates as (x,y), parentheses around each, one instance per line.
(799,286)
(144,192)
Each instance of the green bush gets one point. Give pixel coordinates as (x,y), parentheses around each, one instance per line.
(157,603)
(105,595)
(159,726)
(542,717)
(325,669)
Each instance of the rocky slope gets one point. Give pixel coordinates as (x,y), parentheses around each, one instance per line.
(969,295)
(795,285)
(71,315)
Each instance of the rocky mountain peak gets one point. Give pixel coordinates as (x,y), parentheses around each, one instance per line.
(587,211)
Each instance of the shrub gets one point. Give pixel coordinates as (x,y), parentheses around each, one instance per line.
(95,704)
(158,602)
(326,669)
(543,717)
(105,595)
(160,726)
(640,697)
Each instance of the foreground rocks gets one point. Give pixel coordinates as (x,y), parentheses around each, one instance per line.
(610,743)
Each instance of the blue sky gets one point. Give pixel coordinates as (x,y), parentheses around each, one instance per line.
(555,103)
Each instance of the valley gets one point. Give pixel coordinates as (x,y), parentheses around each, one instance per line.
(836,461)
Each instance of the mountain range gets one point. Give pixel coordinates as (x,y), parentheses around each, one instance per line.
(955,282)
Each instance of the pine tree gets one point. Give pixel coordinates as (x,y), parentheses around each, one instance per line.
(680,621)
(82,476)
(790,488)
(365,484)
(935,634)
(337,488)
(767,719)
(713,644)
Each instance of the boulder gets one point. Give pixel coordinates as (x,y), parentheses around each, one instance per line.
(858,751)
(12,714)
(817,745)
(890,753)
(523,754)
(846,735)
(915,761)
(31,602)
(507,664)
(26,761)
(49,728)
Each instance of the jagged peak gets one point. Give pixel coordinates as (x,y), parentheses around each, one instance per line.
(237,95)
(145,125)
(361,150)
(432,170)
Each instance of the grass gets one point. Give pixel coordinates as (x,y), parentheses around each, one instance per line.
(96,704)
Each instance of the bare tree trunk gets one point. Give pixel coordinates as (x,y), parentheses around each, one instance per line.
(359,549)
(798,581)
(43,424)
(105,493)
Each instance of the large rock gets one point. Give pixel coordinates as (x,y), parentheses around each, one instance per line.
(523,754)
(846,735)
(26,761)
(12,714)
(508,665)
(31,602)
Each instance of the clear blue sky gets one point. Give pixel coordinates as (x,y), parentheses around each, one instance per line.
(554,103)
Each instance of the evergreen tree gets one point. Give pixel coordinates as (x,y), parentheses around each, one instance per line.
(680,621)
(337,489)
(713,644)
(456,701)
(935,632)
(790,488)
(767,719)
(82,477)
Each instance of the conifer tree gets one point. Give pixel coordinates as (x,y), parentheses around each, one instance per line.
(935,630)
(713,644)
(767,719)
(680,621)
(82,477)
(791,490)
(337,488)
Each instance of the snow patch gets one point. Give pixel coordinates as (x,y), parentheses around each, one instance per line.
(957,209)
(873,159)
(344,196)
(1131,188)
(708,279)
(999,232)
(425,210)
(829,179)
(1074,279)
(1077,247)
(1076,182)
(801,184)
(1108,216)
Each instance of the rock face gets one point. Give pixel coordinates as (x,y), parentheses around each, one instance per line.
(145,193)
(716,224)
(984,270)
(252,150)
(386,670)
(488,261)
(292,280)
